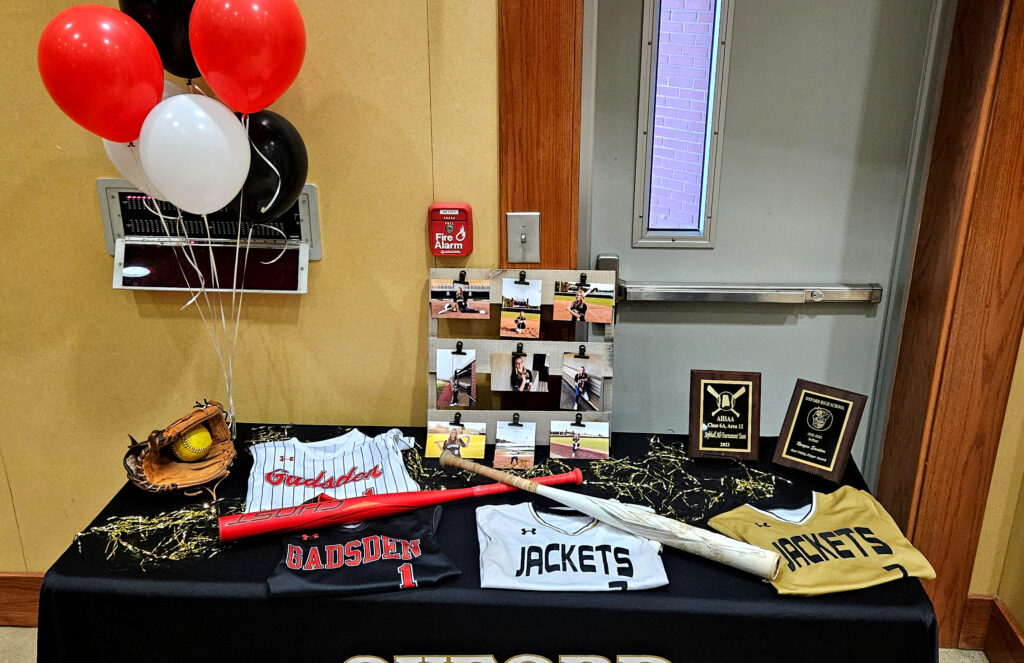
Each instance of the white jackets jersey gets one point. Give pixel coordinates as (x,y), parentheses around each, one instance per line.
(521,549)
(290,472)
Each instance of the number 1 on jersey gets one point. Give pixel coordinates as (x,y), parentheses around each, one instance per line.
(408,580)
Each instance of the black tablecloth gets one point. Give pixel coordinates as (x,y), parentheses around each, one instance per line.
(219,610)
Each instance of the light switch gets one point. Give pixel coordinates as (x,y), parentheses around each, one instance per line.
(522,241)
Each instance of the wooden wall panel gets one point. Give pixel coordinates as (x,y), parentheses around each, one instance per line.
(966,307)
(1004,642)
(977,614)
(19,598)
(539,73)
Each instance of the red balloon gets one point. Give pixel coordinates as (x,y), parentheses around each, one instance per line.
(102,69)
(249,51)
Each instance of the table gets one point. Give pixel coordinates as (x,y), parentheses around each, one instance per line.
(219,609)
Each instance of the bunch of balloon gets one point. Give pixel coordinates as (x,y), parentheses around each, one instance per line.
(104,69)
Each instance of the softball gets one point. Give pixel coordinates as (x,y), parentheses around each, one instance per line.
(193,445)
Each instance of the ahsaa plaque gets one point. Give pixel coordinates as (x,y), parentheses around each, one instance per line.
(725,413)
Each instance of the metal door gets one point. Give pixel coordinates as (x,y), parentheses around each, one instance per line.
(825,144)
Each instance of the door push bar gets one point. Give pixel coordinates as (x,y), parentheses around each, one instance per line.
(647,291)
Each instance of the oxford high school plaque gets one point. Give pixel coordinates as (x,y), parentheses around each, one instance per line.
(725,410)
(819,429)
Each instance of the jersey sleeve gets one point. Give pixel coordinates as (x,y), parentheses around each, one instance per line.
(482,526)
(435,519)
(721,524)
(395,437)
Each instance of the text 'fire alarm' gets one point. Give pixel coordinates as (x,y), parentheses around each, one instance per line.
(450,229)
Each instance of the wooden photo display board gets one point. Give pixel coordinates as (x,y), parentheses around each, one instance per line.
(725,414)
(819,429)
(480,333)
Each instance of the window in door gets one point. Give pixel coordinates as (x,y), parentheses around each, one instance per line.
(682,99)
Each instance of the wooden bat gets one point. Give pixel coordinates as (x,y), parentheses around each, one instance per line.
(329,511)
(636,520)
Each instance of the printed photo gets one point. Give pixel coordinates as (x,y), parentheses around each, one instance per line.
(456,378)
(588,441)
(460,300)
(584,302)
(523,373)
(520,308)
(582,379)
(468,440)
(514,445)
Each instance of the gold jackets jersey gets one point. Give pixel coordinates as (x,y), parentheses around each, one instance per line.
(841,541)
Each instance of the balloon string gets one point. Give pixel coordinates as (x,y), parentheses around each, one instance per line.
(195,89)
(215,279)
(272,167)
(283,248)
(238,235)
(207,326)
(195,293)
(214,274)
(237,321)
(236,313)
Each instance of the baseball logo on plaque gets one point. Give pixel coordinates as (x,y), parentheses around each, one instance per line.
(725,413)
(819,429)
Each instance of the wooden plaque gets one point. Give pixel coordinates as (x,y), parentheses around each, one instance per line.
(725,413)
(819,429)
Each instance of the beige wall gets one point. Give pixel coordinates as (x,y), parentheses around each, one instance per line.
(1011,584)
(999,566)
(397,103)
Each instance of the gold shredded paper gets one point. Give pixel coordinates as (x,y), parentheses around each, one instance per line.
(751,483)
(266,433)
(187,533)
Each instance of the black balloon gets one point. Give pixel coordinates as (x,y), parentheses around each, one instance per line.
(279,141)
(166,21)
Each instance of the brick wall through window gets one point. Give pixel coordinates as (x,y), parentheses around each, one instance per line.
(685,41)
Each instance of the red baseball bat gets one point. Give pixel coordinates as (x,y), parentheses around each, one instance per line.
(327,512)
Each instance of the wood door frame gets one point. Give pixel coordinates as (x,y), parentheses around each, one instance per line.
(540,69)
(963,320)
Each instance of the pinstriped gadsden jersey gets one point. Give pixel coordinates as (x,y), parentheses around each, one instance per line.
(289,472)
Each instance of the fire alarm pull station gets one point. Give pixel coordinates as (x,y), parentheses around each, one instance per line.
(451,229)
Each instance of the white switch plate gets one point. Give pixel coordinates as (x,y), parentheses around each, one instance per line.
(522,241)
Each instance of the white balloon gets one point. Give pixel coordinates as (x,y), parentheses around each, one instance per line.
(126,158)
(195,151)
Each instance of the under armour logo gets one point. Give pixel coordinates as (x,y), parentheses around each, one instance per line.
(307,537)
(282,458)
(762,524)
(532,530)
